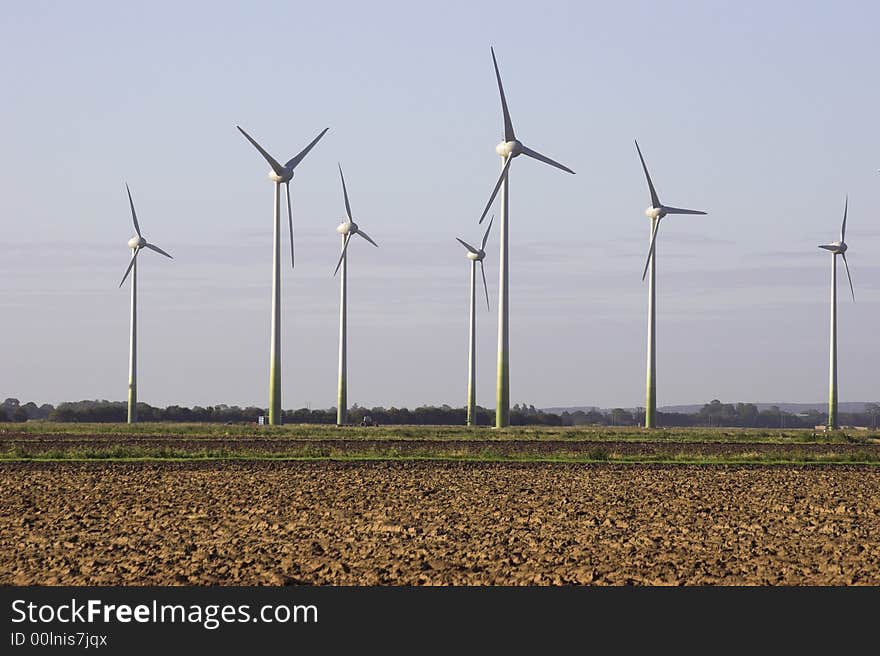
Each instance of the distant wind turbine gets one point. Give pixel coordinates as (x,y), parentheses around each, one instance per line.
(656,213)
(508,149)
(136,244)
(836,248)
(347,228)
(279,175)
(475,255)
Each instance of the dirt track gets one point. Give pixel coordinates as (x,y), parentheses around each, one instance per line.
(436,523)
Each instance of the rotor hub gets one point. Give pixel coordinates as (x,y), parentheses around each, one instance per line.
(655,212)
(137,242)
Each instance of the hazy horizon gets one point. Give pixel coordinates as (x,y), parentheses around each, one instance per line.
(761,114)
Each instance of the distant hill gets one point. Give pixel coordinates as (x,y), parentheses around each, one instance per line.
(794,408)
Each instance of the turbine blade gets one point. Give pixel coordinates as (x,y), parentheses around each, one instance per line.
(158,250)
(828,247)
(134,216)
(345,193)
(651,248)
(467,246)
(367,237)
(486,236)
(130,265)
(279,170)
(291,164)
(497,187)
(290,225)
(843,227)
(508,125)
(655,200)
(679,210)
(342,255)
(846,264)
(543,158)
(485,286)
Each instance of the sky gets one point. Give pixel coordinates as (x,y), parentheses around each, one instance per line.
(764,114)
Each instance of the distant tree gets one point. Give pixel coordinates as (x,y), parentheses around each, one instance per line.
(620,417)
(19,414)
(873,410)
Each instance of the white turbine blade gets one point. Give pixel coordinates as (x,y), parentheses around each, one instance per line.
(485,286)
(497,187)
(153,247)
(290,225)
(846,264)
(651,248)
(367,237)
(508,125)
(305,151)
(342,255)
(279,170)
(655,200)
(843,227)
(134,216)
(345,193)
(679,210)
(467,246)
(486,236)
(130,265)
(543,158)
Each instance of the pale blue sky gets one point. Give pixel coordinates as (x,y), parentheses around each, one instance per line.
(762,113)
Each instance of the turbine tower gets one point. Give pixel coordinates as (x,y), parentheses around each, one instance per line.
(475,255)
(346,229)
(279,175)
(656,213)
(136,244)
(508,149)
(836,248)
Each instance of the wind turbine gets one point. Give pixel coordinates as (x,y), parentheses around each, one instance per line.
(136,244)
(347,228)
(475,255)
(508,149)
(279,175)
(656,213)
(836,248)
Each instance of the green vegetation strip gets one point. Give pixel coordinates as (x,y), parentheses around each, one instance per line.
(129,454)
(171,431)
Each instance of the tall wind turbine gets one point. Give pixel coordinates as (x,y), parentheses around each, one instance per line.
(656,213)
(136,244)
(508,149)
(279,175)
(836,248)
(347,228)
(475,255)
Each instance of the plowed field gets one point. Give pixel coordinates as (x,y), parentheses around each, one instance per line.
(276,523)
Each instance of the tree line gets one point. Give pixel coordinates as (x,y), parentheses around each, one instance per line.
(714,413)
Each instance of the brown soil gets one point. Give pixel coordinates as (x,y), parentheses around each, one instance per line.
(436,523)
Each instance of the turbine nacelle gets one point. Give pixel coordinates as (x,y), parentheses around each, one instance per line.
(347,228)
(286,176)
(655,212)
(137,242)
(836,247)
(476,257)
(511,148)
